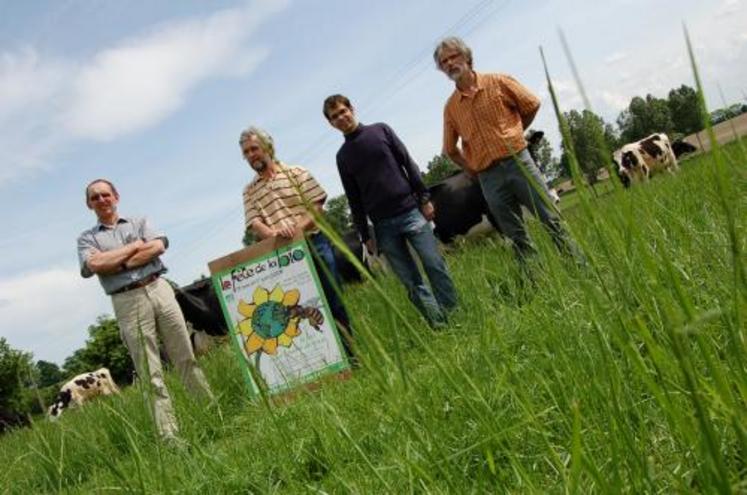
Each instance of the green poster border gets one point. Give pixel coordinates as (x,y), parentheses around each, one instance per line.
(248,368)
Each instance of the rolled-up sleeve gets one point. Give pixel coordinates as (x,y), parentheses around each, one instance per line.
(86,244)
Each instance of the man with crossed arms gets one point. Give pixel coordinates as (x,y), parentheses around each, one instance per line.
(124,253)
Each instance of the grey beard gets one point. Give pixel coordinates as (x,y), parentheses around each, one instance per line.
(259,166)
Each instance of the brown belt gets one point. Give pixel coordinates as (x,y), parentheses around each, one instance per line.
(139,284)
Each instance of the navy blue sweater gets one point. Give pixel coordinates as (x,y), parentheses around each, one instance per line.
(380,178)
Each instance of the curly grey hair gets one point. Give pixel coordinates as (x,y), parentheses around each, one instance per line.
(264,138)
(455,43)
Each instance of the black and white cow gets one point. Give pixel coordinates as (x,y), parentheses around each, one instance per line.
(459,206)
(82,388)
(638,161)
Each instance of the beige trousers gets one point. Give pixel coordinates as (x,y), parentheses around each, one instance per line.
(144,315)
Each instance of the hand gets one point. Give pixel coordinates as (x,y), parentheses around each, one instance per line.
(371,246)
(286,230)
(428,211)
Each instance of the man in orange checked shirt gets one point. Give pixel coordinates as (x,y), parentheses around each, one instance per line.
(489,113)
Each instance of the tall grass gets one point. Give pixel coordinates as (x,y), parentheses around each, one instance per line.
(627,375)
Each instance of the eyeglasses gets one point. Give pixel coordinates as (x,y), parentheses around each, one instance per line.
(98,196)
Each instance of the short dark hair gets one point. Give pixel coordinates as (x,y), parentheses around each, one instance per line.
(332,101)
(96,181)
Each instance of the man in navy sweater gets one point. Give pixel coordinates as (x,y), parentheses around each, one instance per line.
(383,184)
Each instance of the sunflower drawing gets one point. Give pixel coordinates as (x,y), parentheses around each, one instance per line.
(271,320)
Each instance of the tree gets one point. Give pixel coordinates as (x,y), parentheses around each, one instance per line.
(49,374)
(685,111)
(16,374)
(644,117)
(439,168)
(337,213)
(104,348)
(593,141)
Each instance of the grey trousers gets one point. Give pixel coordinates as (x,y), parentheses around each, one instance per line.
(506,188)
(144,315)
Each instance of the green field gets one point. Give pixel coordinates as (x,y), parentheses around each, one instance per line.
(624,375)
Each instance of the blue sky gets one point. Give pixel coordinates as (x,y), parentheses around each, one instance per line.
(153,96)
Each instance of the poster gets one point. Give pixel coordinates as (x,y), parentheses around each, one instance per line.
(279,320)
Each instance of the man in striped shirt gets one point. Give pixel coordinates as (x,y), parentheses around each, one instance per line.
(276,203)
(488,113)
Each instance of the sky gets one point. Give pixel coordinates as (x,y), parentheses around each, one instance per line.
(153,96)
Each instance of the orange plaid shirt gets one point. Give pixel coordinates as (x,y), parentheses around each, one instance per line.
(490,122)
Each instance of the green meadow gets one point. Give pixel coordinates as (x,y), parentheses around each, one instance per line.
(624,374)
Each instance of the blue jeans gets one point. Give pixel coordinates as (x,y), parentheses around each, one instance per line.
(392,236)
(506,189)
(324,259)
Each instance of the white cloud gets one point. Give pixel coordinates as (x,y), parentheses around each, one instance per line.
(136,84)
(46,104)
(729,7)
(49,310)
(26,81)
(615,100)
(615,58)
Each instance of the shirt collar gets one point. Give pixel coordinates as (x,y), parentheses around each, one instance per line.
(479,82)
(100,226)
(280,168)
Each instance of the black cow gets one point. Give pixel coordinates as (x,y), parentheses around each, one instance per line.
(682,148)
(348,272)
(201,307)
(10,419)
(459,206)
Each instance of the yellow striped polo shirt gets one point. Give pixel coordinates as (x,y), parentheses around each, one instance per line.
(282,197)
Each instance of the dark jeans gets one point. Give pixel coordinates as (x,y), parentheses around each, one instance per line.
(506,189)
(323,254)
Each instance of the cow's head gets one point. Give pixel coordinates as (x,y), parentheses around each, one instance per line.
(60,403)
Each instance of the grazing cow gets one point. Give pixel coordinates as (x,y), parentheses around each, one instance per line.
(637,161)
(82,388)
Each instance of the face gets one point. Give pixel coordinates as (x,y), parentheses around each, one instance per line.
(255,154)
(453,63)
(342,118)
(101,199)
